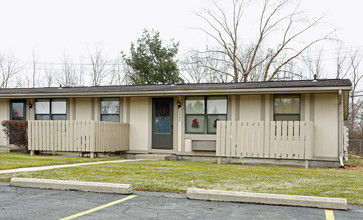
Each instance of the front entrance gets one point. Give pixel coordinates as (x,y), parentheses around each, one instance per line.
(162,123)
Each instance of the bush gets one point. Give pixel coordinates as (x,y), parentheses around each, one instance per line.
(17,132)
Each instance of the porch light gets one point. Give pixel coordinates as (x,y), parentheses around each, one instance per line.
(179,104)
(30,105)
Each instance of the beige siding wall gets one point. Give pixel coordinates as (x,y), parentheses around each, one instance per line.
(250,108)
(125,110)
(83,109)
(140,120)
(233,108)
(179,112)
(326,125)
(30,112)
(267,115)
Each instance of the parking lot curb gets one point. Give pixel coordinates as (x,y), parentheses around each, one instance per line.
(73,185)
(263,198)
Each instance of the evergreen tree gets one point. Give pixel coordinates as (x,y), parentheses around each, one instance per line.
(152,63)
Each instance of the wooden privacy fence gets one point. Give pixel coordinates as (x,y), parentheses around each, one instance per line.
(291,140)
(79,136)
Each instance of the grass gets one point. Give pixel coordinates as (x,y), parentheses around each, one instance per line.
(19,160)
(177,176)
(355,161)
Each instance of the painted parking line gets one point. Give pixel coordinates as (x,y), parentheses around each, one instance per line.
(98,208)
(329,214)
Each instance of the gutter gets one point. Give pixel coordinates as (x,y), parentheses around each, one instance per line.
(341,123)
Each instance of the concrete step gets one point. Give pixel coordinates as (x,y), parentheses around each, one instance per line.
(4,149)
(11,148)
(155,156)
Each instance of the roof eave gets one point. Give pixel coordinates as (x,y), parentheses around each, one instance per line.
(184,92)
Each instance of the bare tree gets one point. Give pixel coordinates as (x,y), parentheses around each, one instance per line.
(117,72)
(342,64)
(291,71)
(82,73)
(356,75)
(49,75)
(205,67)
(193,70)
(314,64)
(35,69)
(277,20)
(101,66)
(8,68)
(68,76)
(22,81)
(348,65)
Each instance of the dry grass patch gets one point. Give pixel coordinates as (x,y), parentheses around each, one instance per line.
(20,160)
(177,176)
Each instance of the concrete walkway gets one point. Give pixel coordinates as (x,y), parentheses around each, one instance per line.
(28,169)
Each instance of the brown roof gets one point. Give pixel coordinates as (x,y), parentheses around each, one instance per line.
(180,88)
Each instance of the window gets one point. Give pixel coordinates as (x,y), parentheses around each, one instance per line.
(110,109)
(51,109)
(202,114)
(287,107)
(17,109)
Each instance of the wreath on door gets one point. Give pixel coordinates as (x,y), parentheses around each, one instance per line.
(163,110)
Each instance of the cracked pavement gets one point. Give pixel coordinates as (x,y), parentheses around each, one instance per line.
(28,203)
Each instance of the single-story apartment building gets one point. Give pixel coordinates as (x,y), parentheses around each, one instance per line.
(293,122)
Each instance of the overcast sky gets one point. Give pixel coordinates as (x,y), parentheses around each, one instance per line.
(55,27)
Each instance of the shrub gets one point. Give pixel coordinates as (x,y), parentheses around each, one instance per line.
(17,132)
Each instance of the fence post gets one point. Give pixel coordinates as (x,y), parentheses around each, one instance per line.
(309,141)
(92,139)
(30,139)
(218,139)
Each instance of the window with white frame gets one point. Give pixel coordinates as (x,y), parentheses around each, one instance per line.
(203,113)
(50,109)
(110,109)
(287,107)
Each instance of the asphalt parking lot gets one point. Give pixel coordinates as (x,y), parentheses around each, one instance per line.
(28,203)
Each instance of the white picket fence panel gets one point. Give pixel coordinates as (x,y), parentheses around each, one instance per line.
(290,140)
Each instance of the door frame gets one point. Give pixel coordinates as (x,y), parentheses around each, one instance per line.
(171,117)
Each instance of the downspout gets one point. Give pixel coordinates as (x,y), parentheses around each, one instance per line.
(341,127)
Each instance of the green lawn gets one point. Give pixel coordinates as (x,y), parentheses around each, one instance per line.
(19,160)
(177,176)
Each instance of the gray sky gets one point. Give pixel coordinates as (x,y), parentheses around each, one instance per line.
(55,27)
